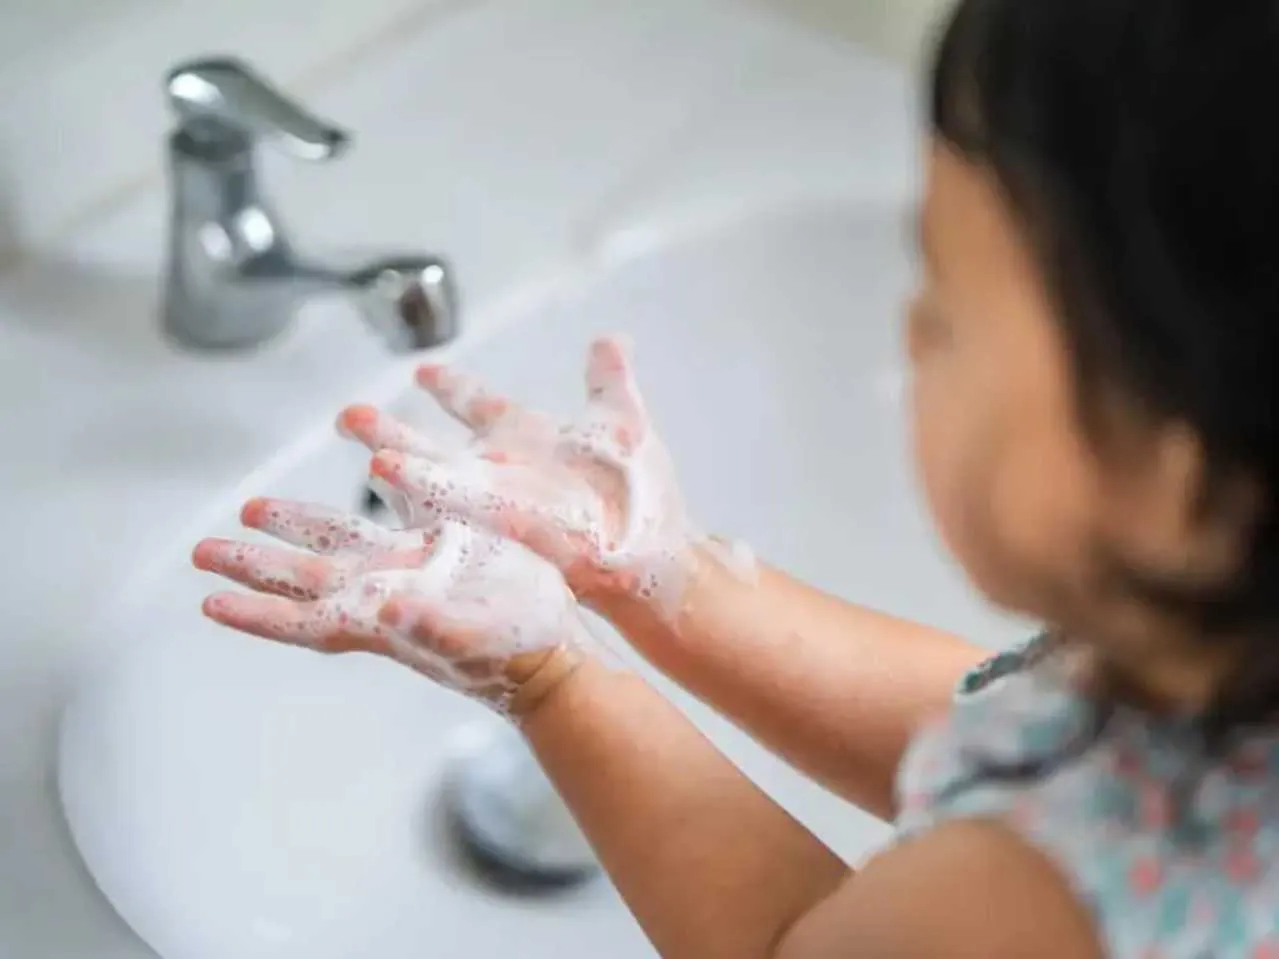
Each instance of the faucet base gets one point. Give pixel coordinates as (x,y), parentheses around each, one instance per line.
(184,337)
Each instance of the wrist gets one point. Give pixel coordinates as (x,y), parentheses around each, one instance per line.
(538,677)
(649,621)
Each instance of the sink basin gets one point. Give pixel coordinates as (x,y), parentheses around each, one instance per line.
(238,799)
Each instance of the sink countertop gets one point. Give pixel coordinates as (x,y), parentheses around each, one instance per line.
(525,140)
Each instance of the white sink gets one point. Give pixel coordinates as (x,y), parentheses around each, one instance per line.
(237,799)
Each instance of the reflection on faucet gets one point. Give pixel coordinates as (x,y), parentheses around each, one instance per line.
(234,280)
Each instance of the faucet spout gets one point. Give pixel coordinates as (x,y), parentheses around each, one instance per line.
(408,300)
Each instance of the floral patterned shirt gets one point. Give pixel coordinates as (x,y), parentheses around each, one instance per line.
(1175,856)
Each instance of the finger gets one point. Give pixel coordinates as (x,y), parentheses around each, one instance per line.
(285,572)
(381,431)
(438,489)
(484,493)
(465,398)
(321,626)
(376,430)
(270,569)
(480,490)
(320,529)
(610,380)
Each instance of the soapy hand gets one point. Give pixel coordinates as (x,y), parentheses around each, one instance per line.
(596,496)
(478,614)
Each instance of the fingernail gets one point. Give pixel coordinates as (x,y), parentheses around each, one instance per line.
(254,512)
(360,415)
(388,465)
(202,556)
(614,348)
(214,606)
(430,376)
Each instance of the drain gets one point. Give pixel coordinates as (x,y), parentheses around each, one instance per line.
(371,504)
(509,821)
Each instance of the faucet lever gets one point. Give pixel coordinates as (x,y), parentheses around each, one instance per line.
(222,104)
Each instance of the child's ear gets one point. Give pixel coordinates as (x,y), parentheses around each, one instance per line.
(1209,509)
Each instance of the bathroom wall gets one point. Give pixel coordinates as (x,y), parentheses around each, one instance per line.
(893,28)
(82,109)
(26,28)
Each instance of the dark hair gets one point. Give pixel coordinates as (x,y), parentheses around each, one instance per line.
(1134,142)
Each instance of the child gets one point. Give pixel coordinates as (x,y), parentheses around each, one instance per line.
(1093,347)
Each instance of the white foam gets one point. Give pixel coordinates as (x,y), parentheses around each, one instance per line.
(480,601)
(489,600)
(595,492)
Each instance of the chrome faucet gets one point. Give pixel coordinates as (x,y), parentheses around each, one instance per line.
(234,279)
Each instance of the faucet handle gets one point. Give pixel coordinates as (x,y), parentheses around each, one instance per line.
(220,99)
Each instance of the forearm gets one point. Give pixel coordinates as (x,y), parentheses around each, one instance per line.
(837,689)
(708,864)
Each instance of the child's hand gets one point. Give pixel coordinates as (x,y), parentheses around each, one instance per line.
(597,496)
(478,614)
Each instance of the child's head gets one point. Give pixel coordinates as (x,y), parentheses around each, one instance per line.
(1096,338)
